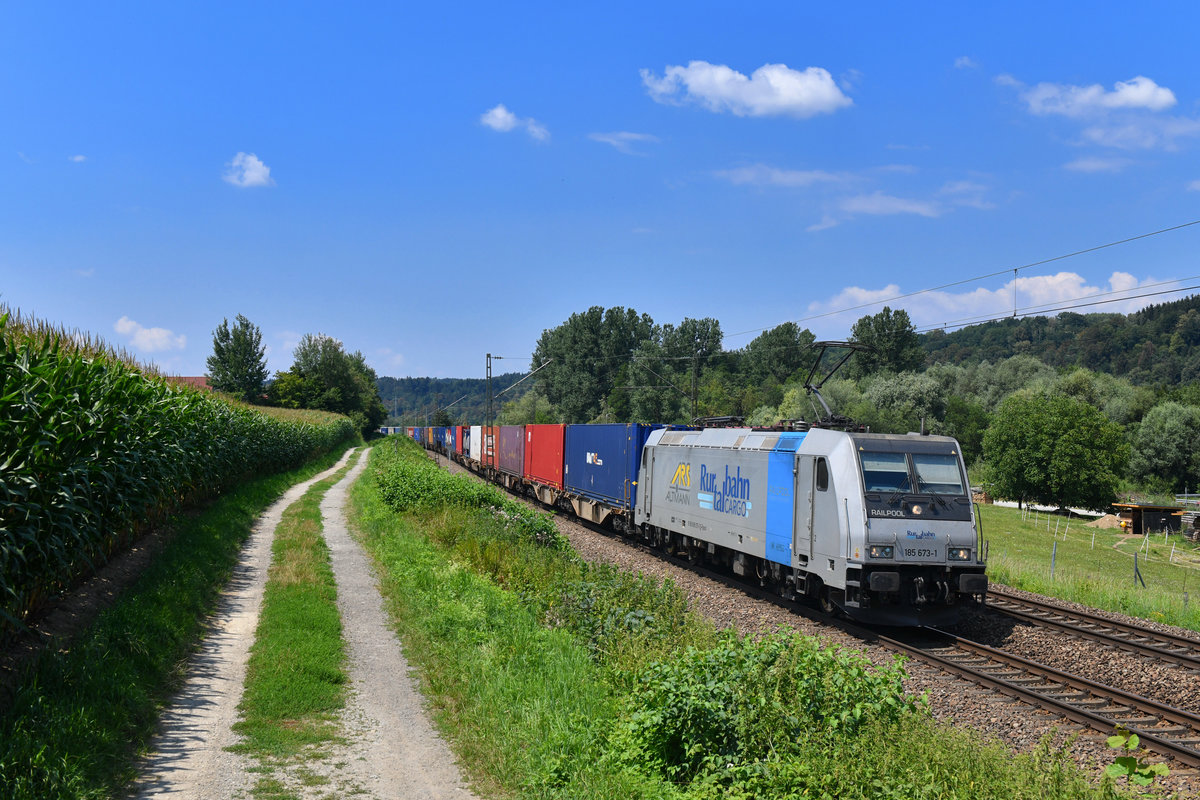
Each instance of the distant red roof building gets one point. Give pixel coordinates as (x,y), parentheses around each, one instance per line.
(200,382)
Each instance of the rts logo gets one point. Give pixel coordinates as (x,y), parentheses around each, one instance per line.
(683,476)
(680,490)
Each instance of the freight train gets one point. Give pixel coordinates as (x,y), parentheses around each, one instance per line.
(878,526)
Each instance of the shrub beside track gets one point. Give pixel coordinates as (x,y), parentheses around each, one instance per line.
(559,678)
(94,448)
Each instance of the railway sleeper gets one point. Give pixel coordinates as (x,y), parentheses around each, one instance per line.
(1130,720)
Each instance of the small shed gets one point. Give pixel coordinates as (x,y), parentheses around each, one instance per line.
(1142,518)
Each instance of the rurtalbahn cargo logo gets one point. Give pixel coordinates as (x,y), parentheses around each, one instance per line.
(731,496)
(681,485)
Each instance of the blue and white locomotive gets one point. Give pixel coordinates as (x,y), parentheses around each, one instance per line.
(880,526)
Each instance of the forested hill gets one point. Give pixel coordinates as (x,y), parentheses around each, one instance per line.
(415,401)
(1157,345)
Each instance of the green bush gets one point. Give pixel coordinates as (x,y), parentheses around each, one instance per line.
(747,699)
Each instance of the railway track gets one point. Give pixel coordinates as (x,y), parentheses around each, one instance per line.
(1170,732)
(1144,642)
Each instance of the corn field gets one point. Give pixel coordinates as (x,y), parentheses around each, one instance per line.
(95,447)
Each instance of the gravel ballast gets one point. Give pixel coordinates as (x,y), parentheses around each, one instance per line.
(952,699)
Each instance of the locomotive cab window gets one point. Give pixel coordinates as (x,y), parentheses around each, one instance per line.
(938,473)
(885,472)
(822,474)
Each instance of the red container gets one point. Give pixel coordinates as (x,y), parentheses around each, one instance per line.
(490,446)
(544,454)
(512,449)
(460,434)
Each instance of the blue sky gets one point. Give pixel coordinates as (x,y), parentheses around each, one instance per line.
(430,183)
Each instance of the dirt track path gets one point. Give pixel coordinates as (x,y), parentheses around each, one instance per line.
(390,750)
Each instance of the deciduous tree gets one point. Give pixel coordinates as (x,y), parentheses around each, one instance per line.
(1053,449)
(893,340)
(1166,448)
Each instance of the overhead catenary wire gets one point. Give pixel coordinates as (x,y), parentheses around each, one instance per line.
(1040,310)
(1065,304)
(976,278)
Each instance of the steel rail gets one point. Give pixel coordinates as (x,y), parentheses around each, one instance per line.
(1162,646)
(1151,738)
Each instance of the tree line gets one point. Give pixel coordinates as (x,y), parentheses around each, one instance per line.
(323,375)
(1062,433)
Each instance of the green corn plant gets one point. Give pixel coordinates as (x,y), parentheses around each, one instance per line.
(95,447)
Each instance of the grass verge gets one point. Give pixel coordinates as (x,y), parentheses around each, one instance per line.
(296,678)
(553,678)
(1094,566)
(78,716)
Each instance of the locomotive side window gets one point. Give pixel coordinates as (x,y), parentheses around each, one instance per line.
(822,475)
(885,472)
(938,473)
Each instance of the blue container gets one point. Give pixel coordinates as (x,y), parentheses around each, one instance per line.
(601,462)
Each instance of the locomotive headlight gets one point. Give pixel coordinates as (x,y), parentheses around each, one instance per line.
(881,551)
(959,554)
(917,509)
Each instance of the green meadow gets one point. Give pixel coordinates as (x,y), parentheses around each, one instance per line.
(1093,565)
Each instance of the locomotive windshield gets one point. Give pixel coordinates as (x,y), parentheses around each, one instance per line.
(906,477)
(885,472)
(935,473)
(938,473)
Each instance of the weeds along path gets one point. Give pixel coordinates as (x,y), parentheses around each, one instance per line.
(188,757)
(388,747)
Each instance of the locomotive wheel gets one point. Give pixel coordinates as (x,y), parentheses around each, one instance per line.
(824,601)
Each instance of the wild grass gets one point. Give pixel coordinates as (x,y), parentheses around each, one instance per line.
(558,680)
(1095,566)
(79,714)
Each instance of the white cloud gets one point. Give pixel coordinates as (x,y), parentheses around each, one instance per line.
(1036,294)
(288,341)
(246,170)
(501,119)
(1079,101)
(1194,186)
(85,273)
(965,62)
(1125,117)
(390,358)
(77,159)
(771,90)
(1097,164)
(624,141)
(828,221)
(879,203)
(966,193)
(1143,133)
(763,175)
(151,340)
